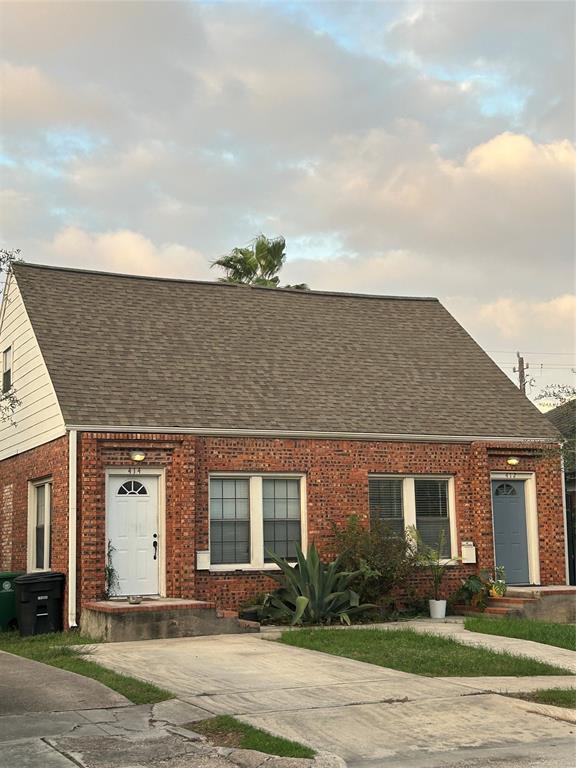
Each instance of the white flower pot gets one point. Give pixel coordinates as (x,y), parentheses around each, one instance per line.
(437,609)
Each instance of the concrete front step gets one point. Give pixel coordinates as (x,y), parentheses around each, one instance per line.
(158,619)
(536,593)
(556,604)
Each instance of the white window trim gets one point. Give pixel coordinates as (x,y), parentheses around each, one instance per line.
(256,518)
(409,505)
(531,510)
(31,543)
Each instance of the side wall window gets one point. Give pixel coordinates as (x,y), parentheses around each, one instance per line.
(7,370)
(39,525)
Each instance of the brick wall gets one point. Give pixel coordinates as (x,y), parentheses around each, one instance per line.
(337,487)
(176,456)
(49,460)
(6,525)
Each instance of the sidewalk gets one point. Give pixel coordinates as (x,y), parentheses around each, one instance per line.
(454,628)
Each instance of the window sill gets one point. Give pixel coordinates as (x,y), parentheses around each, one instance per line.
(452,562)
(243,567)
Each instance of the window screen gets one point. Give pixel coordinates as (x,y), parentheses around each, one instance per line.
(386,507)
(229,520)
(432,513)
(281,515)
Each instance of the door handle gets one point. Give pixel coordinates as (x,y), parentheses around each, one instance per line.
(155,545)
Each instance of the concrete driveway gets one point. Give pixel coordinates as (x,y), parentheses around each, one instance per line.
(369,715)
(27,686)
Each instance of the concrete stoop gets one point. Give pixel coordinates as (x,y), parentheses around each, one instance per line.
(117,621)
(557,604)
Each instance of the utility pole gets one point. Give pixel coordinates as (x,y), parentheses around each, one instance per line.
(521,371)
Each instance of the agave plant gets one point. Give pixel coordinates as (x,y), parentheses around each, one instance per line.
(312,592)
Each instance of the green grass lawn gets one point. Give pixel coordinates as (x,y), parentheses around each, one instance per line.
(560,635)
(226,731)
(58,651)
(421,654)
(559,697)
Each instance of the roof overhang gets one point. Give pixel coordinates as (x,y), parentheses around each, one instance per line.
(310,434)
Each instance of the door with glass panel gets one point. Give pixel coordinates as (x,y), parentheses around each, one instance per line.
(132,523)
(510,532)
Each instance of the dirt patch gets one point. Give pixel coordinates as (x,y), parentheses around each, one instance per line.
(218,736)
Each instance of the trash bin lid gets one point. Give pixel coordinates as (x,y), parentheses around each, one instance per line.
(40,577)
(8,575)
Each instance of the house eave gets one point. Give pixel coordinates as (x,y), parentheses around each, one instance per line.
(307,434)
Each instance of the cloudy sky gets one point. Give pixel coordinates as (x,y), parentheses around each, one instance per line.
(419,148)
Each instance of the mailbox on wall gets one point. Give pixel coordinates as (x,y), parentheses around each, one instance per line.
(468,552)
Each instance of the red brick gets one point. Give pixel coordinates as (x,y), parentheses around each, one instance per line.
(337,474)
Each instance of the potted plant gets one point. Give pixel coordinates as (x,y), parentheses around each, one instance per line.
(498,587)
(437,564)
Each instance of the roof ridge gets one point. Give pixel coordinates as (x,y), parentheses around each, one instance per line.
(152,278)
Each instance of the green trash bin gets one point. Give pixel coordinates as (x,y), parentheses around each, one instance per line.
(8,600)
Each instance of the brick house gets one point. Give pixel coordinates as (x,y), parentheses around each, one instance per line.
(183,429)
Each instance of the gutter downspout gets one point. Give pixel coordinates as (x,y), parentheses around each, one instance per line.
(565,514)
(72,511)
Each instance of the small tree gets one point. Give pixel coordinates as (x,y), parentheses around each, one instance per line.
(256,264)
(8,399)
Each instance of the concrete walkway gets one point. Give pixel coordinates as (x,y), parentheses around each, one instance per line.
(28,686)
(454,628)
(371,716)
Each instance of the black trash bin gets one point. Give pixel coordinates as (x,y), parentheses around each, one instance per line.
(39,602)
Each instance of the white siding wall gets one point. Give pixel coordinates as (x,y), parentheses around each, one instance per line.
(38,419)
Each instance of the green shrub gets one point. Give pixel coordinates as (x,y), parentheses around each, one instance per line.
(474,591)
(312,592)
(381,558)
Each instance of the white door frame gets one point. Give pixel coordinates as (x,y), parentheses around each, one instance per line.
(136,473)
(531,509)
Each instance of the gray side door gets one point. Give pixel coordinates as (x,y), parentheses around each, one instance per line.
(510,536)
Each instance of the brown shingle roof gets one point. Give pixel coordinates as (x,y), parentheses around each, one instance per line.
(564,418)
(132,351)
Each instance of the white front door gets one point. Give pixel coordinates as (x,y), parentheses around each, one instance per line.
(132,532)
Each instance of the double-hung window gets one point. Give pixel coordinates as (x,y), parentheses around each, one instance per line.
(39,525)
(426,503)
(254,516)
(7,370)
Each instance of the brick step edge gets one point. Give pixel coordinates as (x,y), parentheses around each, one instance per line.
(495,601)
(469,610)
